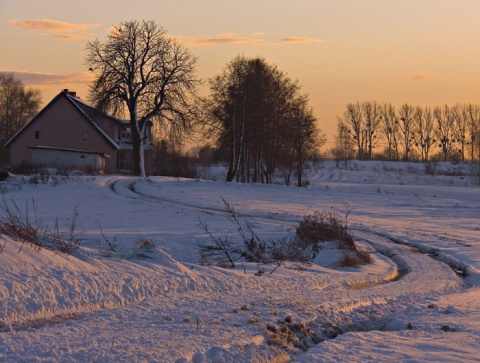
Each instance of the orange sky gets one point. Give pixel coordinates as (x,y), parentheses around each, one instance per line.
(421,52)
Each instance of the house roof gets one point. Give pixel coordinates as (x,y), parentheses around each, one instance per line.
(92,115)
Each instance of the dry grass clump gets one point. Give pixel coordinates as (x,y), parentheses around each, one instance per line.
(26,227)
(243,244)
(288,334)
(322,228)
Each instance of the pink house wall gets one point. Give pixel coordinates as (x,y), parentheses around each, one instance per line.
(61,126)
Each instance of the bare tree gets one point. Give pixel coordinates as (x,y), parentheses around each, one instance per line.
(17,105)
(372,125)
(362,121)
(444,130)
(460,128)
(142,71)
(423,131)
(305,136)
(344,148)
(405,127)
(473,115)
(353,121)
(390,129)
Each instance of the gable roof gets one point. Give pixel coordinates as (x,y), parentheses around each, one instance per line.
(89,113)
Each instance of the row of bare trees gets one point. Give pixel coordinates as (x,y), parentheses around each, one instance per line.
(260,121)
(409,132)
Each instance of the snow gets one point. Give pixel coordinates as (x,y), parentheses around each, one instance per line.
(116,299)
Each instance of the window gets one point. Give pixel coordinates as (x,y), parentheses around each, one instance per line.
(85,135)
(125,163)
(37,134)
(125,134)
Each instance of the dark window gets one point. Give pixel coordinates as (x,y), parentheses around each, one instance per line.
(37,134)
(85,135)
(125,163)
(125,133)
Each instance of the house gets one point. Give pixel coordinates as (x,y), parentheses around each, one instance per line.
(70,133)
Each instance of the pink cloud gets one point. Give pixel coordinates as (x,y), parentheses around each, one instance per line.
(58,29)
(301,40)
(225,38)
(40,80)
(419,77)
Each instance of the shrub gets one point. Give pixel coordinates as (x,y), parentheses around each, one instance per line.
(23,168)
(313,231)
(145,244)
(225,251)
(321,227)
(4,175)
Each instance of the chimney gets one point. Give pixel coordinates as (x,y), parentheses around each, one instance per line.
(73,94)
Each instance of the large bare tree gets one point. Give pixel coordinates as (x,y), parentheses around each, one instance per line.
(141,71)
(17,105)
(260,120)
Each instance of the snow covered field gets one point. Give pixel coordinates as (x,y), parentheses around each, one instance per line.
(117,300)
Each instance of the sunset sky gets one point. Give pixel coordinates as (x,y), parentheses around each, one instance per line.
(420,52)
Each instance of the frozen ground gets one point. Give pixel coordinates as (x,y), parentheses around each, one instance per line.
(114,300)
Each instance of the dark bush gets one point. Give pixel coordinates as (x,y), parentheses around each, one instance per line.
(3,175)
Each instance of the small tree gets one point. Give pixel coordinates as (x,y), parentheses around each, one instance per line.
(141,70)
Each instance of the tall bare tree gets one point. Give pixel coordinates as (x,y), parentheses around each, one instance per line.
(353,121)
(141,71)
(344,146)
(423,127)
(405,127)
(390,129)
(460,128)
(17,105)
(473,115)
(444,130)
(363,122)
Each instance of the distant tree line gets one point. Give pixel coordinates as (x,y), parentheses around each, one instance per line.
(368,130)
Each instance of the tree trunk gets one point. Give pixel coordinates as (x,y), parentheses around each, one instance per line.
(138,152)
(135,148)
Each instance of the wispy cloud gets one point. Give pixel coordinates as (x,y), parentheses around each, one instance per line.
(419,77)
(58,81)
(58,29)
(224,38)
(51,84)
(301,40)
(254,38)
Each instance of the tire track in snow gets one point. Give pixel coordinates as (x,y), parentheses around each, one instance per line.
(130,191)
(376,307)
